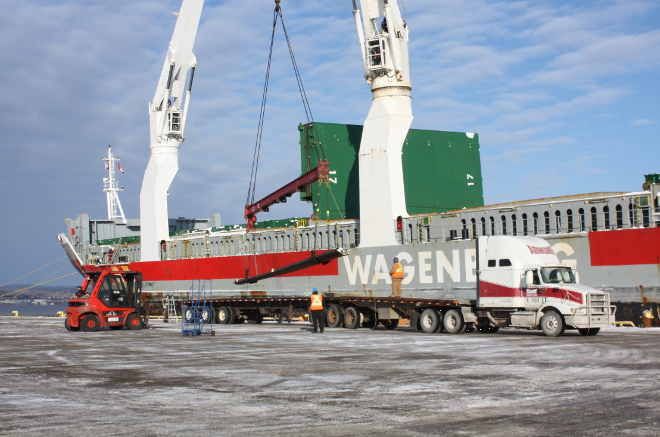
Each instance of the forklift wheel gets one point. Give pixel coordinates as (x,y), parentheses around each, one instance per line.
(90,323)
(133,321)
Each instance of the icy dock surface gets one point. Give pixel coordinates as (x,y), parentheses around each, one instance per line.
(270,380)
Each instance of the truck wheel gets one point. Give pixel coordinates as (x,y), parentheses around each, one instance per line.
(207,315)
(69,327)
(552,324)
(334,317)
(441,325)
(488,329)
(467,327)
(351,318)
(133,321)
(90,323)
(255,317)
(390,323)
(225,315)
(453,322)
(589,331)
(429,320)
(186,313)
(369,319)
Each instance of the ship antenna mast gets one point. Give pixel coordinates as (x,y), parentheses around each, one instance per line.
(111,187)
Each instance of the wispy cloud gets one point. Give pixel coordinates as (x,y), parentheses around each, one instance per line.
(644,122)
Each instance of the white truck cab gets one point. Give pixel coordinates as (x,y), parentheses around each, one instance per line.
(521,283)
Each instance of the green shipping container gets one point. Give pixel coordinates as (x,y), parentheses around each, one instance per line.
(441,170)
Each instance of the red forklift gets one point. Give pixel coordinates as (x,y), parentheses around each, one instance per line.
(107,298)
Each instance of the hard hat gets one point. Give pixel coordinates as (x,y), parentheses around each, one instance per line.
(396,260)
(315,291)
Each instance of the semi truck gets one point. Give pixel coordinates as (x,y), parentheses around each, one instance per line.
(520,283)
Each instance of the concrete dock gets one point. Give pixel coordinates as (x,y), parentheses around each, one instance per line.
(271,380)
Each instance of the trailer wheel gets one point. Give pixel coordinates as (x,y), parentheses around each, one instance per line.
(133,321)
(441,325)
(255,317)
(589,331)
(429,320)
(351,318)
(453,322)
(69,327)
(552,324)
(225,315)
(467,327)
(207,315)
(369,319)
(90,323)
(390,323)
(334,317)
(186,313)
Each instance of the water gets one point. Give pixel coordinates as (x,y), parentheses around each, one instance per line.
(24,310)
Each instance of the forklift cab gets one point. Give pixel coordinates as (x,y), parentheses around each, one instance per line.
(107,298)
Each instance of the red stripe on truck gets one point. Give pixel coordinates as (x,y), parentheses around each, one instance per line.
(228,267)
(492,290)
(625,247)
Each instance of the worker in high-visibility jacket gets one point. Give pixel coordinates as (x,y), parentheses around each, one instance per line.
(316,311)
(397,277)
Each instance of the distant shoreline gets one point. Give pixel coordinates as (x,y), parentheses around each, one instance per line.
(31,310)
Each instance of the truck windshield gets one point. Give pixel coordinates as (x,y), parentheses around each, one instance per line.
(555,275)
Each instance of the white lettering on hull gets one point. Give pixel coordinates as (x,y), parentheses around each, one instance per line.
(381,271)
(453,269)
(424,268)
(357,268)
(365,269)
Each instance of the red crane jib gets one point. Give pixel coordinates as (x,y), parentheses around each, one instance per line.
(322,171)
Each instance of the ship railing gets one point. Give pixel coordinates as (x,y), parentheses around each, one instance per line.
(511,221)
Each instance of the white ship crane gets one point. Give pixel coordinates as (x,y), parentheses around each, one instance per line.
(383,37)
(111,188)
(167,121)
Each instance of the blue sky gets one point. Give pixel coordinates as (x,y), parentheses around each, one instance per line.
(564,95)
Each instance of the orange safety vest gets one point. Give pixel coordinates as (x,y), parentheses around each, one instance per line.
(317,303)
(398,272)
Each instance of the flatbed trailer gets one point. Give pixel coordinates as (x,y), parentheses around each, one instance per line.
(428,315)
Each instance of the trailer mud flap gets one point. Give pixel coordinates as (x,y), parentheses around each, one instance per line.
(414,320)
(468,315)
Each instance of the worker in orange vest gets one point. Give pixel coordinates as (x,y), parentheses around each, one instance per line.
(316,310)
(397,276)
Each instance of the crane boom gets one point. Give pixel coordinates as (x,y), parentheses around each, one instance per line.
(167,119)
(383,38)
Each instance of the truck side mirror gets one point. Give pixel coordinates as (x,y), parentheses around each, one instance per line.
(528,279)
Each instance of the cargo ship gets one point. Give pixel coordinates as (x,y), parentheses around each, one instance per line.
(383,191)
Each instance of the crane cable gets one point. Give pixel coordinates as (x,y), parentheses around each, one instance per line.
(257,146)
(308,111)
